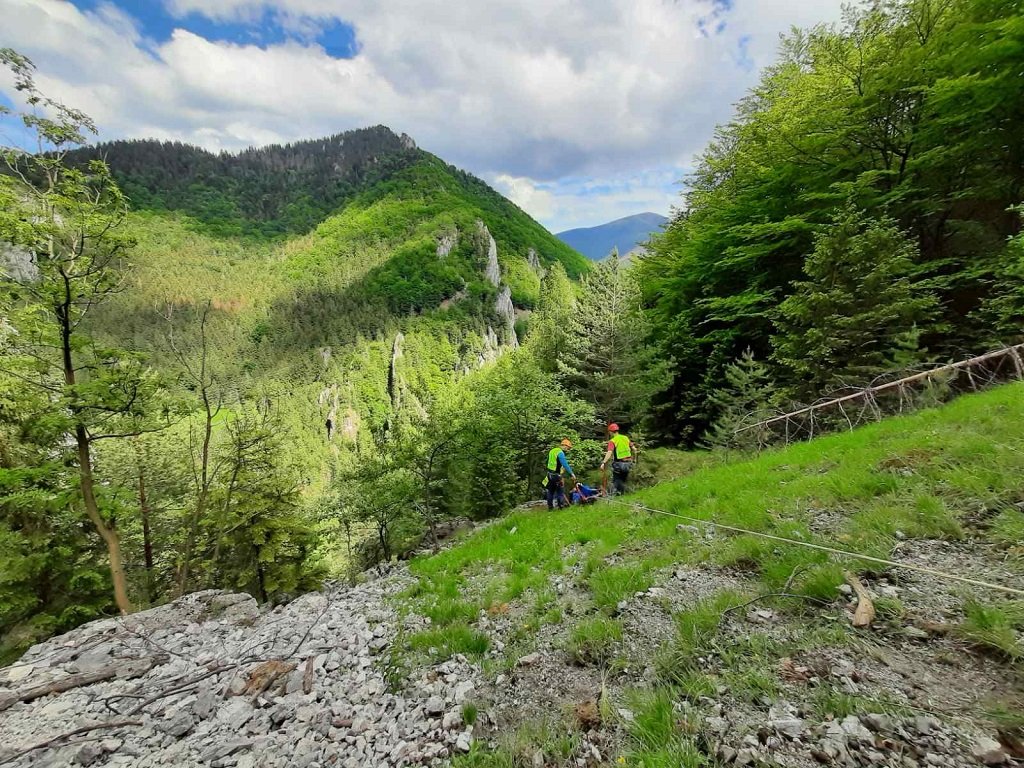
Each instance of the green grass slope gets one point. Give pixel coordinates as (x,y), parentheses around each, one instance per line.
(941,487)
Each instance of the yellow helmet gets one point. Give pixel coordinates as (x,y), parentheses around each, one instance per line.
(567,443)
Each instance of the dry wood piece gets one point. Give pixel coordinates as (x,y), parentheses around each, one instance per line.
(865,612)
(65,736)
(265,675)
(788,670)
(588,715)
(124,670)
(307,677)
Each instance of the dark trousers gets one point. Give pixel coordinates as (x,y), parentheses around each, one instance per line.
(556,490)
(620,474)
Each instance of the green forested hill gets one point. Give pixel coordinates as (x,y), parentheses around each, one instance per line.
(298,308)
(306,310)
(261,192)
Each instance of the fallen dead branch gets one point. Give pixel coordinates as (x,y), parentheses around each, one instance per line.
(263,676)
(68,735)
(767,596)
(307,677)
(123,670)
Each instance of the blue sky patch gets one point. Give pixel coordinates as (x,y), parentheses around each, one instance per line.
(742,56)
(715,23)
(269,28)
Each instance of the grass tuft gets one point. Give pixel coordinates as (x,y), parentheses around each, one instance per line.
(994,628)
(696,630)
(595,641)
(659,741)
(445,642)
(554,744)
(611,585)
(1008,529)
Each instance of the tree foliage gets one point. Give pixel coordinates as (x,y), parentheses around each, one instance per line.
(847,319)
(69,222)
(606,360)
(743,402)
(912,109)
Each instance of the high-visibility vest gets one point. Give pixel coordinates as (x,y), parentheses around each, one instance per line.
(553,459)
(623,450)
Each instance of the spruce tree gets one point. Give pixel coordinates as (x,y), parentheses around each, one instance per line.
(606,359)
(550,322)
(746,400)
(1003,312)
(861,300)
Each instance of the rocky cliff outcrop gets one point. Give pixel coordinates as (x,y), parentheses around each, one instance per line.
(491,350)
(446,242)
(17,264)
(506,311)
(534,261)
(492,269)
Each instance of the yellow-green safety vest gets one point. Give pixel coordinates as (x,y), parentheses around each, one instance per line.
(553,459)
(622,447)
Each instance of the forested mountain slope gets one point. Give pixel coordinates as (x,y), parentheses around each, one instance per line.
(273,334)
(413,246)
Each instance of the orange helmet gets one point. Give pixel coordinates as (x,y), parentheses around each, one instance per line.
(567,443)
(613,427)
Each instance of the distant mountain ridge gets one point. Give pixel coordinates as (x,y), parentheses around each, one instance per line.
(625,234)
(268,191)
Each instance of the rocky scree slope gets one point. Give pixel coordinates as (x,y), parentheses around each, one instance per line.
(210,680)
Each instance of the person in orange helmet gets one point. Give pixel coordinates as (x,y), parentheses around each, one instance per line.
(620,454)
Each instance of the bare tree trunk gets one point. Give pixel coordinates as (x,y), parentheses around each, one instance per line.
(107,531)
(200,508)
(222,528)
(204,381)
(261,576)
(147,536)
(382,536)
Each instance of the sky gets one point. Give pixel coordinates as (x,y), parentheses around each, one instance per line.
(580,111)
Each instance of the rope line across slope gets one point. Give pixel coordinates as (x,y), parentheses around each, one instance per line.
(831,550)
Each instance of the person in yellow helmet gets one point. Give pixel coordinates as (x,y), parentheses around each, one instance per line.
(557,467)
(620,454)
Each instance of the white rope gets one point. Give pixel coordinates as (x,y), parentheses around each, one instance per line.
(832,550)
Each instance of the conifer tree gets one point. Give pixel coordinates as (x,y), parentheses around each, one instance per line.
(746,400)
(861,297)
(264,538)
(550,324)
(606,360)
(1003,313)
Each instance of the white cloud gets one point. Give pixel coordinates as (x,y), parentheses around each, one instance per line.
(523,92)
